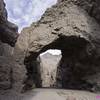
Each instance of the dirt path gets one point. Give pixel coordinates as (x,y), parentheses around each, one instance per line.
(49,94)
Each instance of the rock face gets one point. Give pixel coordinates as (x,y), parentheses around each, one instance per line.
(5,74)
(8,30)
(91,6)
(9,69)
(48,64)
(70,28)
(9,74)
(5,50)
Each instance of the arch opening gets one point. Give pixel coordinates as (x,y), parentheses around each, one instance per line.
(72,65)
(47,67)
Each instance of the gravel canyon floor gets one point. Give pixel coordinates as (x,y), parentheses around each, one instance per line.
(50,94)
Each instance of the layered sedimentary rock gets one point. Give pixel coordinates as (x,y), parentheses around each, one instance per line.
(67,27)
(11,76)
(6,50)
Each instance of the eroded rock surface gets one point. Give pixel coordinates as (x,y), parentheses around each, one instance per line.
(6,50)
(11,76)
(67,27)
(9,69)
(91,6)
(8,30)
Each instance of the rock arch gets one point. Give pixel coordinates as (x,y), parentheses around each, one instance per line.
(72,68)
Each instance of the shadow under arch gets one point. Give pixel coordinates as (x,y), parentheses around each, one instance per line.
(73,67)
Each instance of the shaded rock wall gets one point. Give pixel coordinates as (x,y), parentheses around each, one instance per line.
(8,30)
(9,74)
(9,69)
(6,50)
(91,6)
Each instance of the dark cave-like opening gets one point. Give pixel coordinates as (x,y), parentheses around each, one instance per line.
(74,65)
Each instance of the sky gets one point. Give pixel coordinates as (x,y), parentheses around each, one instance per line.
(24,12)
(52,51)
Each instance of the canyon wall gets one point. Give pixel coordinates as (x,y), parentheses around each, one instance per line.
(70,27)
(8,30)
(91,6)
(9,69)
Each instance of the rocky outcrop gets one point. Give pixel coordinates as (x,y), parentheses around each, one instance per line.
(66,20)
(8,30)
(92,7)
(5,74)
(67,27)
(9,74)
(9,69)
(6,50)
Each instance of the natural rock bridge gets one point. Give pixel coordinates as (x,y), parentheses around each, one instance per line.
(68,27)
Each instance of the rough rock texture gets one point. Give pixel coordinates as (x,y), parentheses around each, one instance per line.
(9,74)
(48,64)
(91,6)
(5,74)
(70,28)
(8,30)
(9,69)
(5,50)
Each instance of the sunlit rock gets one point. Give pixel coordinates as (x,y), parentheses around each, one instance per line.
(49,62)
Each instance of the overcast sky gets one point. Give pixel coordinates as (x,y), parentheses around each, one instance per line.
(52,51)
(24,12)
